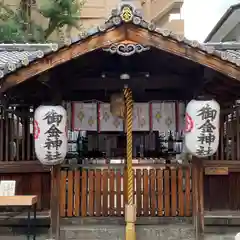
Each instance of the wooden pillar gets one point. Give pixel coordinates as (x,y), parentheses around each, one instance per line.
(54,204)
(195,195)
(201,198)
(198,197)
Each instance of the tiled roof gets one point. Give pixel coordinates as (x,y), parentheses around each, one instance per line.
(14,56)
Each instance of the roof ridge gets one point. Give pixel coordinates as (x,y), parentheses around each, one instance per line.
(28,46)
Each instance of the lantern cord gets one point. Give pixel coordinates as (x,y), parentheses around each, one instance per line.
(130,213)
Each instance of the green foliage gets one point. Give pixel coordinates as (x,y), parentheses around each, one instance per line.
(16,26)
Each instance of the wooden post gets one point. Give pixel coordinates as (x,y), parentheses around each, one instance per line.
(195,196)
(201,199)
(54,204)
(198,198)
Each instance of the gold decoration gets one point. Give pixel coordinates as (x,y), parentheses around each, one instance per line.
(81,116)
(90,121)
(116,122)
(127,14)
(158,116)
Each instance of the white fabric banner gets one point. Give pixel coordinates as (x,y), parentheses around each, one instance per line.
(84,116)
(107,121)
(141,117)
(181,117)
(163,116)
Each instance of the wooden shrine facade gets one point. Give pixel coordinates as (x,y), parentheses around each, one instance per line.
(159,66)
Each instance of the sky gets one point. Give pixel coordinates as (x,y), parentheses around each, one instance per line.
(202,15)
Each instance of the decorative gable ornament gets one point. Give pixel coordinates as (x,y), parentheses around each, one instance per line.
(50,134)
(126,13)
(202,127)
(126,49)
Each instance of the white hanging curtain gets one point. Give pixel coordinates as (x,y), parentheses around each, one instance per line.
(108,122)
(84,116)
(141,117)
(181,117)
(163,116)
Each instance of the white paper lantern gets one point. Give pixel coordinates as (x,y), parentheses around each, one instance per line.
(237,237)
(50,134)
(202,127)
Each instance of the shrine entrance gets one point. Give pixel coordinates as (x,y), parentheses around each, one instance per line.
(164,71)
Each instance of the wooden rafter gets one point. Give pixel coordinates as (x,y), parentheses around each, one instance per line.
(63,55)
(143,36)
(153,82)
(125,32)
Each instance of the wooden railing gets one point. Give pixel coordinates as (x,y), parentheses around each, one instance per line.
(229,140)
(168,198)
(157,192)
(16,137)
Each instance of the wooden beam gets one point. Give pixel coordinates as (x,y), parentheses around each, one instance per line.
(198,203)
(104,96)
(143,36)
(22,167)
(142,96)
(153,82)
(232,165)
(55,203)
(118,34)
(195,202)
(201,199)
(223,86)
(62,56)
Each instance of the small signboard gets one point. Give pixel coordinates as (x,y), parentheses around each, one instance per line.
(7,188)
(216,171)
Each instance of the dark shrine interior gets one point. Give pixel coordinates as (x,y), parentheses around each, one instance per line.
(153,75)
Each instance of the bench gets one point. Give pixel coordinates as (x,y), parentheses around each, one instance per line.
(27,202)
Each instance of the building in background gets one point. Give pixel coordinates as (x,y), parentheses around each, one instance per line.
(164,13)
(227,28)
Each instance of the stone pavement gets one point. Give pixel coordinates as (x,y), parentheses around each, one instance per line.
(173,232)
(151,232)
(44,237)
(22,237)
(18,233)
